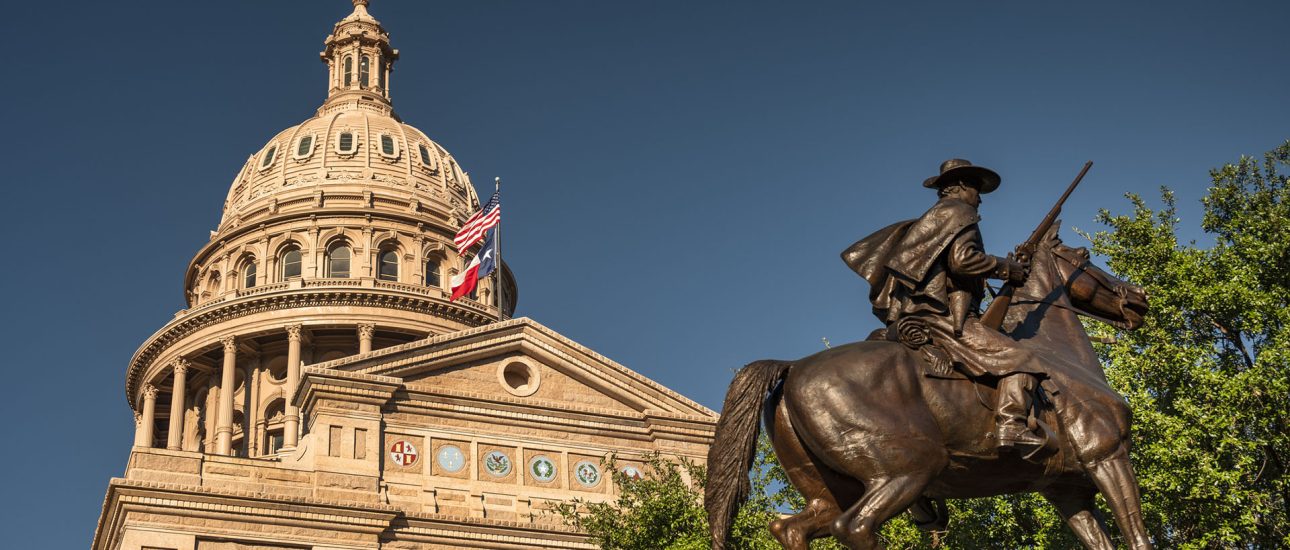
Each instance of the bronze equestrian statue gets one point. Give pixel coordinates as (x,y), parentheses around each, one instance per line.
(940,404)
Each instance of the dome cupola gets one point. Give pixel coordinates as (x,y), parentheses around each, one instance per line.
(359,57)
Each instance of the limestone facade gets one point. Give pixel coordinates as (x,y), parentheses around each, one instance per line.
(321,391)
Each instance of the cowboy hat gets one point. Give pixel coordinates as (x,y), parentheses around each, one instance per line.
(956,170)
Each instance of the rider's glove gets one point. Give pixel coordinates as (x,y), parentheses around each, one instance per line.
(1011,270)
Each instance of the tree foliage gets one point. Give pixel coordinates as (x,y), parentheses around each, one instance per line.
(1207,378)
(1207,375)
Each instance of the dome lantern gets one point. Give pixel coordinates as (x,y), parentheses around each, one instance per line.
(359,57)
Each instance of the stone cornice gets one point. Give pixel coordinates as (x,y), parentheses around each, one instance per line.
(381,296)
(191,500)
(387,520)
(513,335)
(316,383)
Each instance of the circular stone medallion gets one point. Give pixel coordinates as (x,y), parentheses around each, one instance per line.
(403,453)
(450,459)
(497,464)
(587,473)
(542,469)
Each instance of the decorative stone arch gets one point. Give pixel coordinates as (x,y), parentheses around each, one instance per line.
(280,248)
(211,280)
(333,239)
(390,241)
(246,259)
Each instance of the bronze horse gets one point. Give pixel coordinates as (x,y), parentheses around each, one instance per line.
(863,434)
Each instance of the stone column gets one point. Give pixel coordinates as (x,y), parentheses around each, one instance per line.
(365,332)
(224,426)
(149,414)
(291,424)
(178,405)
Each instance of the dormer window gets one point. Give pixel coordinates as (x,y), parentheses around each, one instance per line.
(388,147)
(425,155)
(345,144)
(268,157)
(305,147)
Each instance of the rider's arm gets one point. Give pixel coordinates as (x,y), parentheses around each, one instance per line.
(968,260)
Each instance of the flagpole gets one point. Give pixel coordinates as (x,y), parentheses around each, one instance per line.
(497,252)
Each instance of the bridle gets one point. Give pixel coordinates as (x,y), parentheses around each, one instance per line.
(1080,264)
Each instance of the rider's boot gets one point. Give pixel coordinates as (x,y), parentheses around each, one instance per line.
(1016,392)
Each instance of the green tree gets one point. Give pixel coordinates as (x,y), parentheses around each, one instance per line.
(1207,376)
(663,510)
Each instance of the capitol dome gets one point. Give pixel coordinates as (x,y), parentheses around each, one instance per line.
(336,238)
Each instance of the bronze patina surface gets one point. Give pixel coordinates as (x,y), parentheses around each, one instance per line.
(939,404)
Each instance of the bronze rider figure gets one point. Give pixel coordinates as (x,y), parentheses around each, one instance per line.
(927,279)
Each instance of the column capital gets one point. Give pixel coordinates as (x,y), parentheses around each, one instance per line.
(295,332)
(180,366)
(366,330)
(149,392)
(229,343)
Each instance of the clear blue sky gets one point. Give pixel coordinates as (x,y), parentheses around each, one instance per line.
(679,176)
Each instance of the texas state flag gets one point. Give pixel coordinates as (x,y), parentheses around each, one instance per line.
(478,268)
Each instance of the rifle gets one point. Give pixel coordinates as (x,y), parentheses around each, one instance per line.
(993,317)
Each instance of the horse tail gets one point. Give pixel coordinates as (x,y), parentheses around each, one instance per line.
(735,444)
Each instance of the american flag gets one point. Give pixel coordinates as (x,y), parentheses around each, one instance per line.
(475,227)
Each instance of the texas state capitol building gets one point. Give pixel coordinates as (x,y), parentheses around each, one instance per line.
(321,392)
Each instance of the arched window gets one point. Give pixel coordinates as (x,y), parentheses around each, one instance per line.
(389,265)
(345,142)
(387,145)
(349,70)
(380,73)
(338,262)
(363,71)
(248,274)
(433,278)
(291,264)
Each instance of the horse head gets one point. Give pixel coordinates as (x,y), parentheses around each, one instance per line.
(1089,289)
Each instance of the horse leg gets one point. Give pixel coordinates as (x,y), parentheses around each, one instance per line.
(884,498)
(1114,478)
(809,478)
(1077,507)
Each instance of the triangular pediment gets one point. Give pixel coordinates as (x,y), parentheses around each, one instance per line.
(521,362)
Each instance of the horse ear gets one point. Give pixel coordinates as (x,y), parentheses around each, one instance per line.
(1051,235)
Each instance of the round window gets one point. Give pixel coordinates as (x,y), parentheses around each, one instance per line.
(519,378)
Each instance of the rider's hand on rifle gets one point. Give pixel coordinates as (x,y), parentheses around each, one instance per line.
(1013,269)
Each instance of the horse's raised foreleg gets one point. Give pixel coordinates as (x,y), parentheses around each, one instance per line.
(1077,507)
(884,497)
(1114,478)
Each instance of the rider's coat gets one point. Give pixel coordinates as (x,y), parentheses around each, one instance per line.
(933,268)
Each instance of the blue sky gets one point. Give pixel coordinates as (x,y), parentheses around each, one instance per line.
(679,176)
